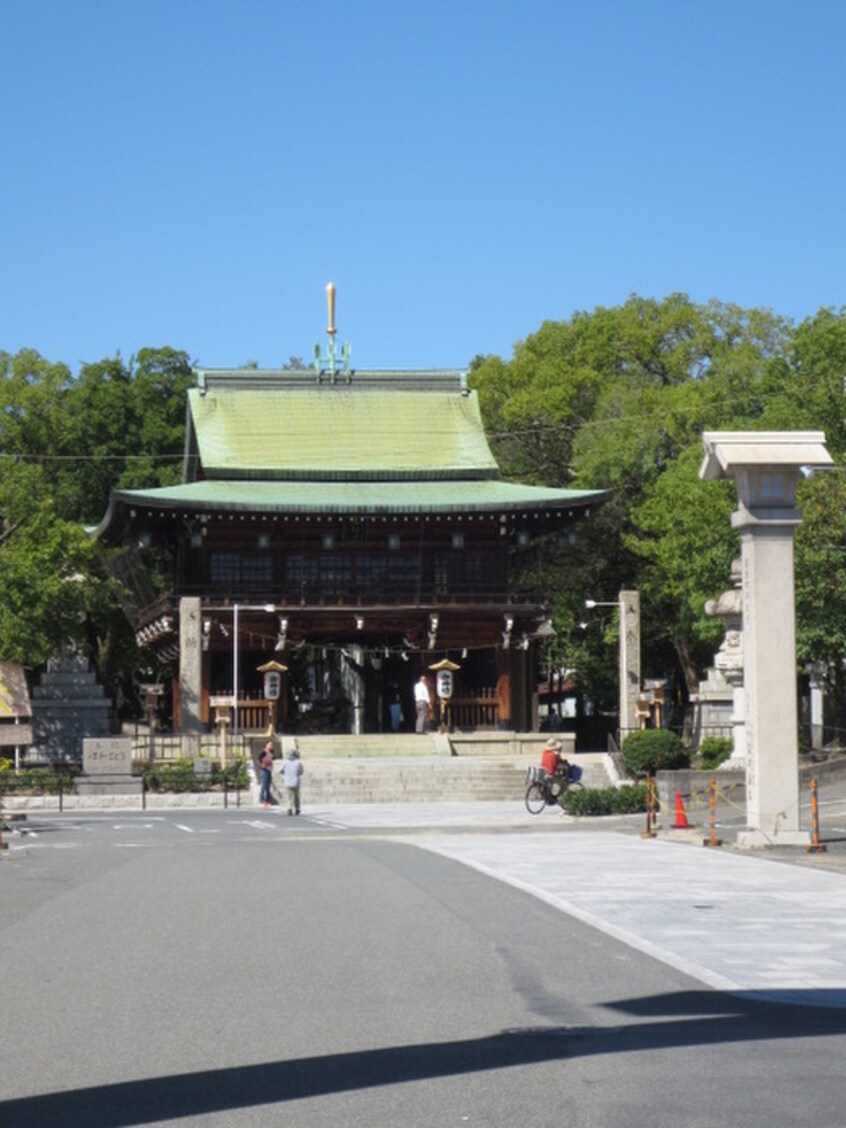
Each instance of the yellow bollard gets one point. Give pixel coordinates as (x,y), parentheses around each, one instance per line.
(650,810)
(816,846)
(712,839)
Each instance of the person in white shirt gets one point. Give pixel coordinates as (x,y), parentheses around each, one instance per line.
(422,702)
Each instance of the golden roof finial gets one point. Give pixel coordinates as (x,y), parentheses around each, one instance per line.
(330,302)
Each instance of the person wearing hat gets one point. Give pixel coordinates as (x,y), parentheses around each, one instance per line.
(551,756)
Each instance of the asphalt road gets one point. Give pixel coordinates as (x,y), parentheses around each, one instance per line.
(224,968)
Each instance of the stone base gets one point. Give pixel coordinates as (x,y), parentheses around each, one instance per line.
(759,840)
(106,784)
(692,833)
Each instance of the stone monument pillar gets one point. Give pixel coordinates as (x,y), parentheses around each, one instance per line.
(629,662)
(766,466)
(190,668)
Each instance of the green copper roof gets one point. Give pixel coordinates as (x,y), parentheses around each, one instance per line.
(356,497)
(380,442)
(338,432)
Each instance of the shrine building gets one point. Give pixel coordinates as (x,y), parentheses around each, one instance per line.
(352,526)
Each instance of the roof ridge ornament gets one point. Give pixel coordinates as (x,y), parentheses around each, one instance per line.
(328,364)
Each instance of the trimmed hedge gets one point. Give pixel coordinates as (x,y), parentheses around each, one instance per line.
(630,799)
(180,776)
(653,750)
(36,781)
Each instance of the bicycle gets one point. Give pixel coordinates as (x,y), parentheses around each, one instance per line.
(544,790)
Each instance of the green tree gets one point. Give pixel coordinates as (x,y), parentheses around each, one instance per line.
(820,578)
(682,534)
(64,445)
(46,570)
(617,399)
(129,426)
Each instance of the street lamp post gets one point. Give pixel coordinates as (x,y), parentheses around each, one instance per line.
(628,605)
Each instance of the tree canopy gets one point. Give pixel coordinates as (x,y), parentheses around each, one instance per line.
(65,443)
(618,399)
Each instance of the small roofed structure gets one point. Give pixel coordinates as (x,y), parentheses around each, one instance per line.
(15,710)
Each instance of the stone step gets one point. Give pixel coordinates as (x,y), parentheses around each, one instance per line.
(387,780)
(405,745)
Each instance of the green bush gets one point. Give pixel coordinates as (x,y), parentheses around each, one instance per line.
(233,775)
(629,799)
(180,776)
(714,750)
(36,781)
(175,777)
(653,750)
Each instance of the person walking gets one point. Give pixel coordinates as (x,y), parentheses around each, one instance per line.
(266,773)
(422,703)
(292,770)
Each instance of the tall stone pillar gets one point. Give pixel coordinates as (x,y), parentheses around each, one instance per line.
(766,466)
(190,664)
(629,662)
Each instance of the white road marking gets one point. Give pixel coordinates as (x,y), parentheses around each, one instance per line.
(187,829)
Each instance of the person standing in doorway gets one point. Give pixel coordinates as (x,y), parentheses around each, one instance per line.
(292,770)
(266,773)
(395,708)
(423,704)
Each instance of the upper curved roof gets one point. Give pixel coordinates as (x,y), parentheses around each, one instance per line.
(361,442)
(337,432)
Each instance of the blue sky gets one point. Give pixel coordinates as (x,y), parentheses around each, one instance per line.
(193,172)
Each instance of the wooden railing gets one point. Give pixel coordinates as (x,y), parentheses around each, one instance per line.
(253,714)
(171,746)
(467,713)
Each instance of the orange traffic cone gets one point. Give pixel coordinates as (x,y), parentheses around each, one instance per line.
(681,822)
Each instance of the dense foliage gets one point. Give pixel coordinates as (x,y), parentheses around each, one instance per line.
(713,751)
(618,399)
(653,750)
(65,443)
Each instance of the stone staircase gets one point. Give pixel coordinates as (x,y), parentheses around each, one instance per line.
(396,746)
(411,781)
(388,768)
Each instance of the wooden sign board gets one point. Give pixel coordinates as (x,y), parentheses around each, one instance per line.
(13,735)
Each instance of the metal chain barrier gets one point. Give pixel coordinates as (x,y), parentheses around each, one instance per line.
(703,801)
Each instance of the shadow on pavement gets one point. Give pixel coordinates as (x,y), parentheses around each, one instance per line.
(670,1021)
